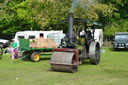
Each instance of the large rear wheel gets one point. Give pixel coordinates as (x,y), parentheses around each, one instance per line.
(94,53)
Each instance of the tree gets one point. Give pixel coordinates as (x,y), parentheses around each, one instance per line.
(16,16)
(119,21)
(48,13)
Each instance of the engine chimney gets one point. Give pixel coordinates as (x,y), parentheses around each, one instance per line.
(70,27)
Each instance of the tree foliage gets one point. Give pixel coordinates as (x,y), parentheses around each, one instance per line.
(15,16)
(18,15)
(48,13)
(119,21)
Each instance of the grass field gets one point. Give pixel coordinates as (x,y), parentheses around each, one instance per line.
(112,70)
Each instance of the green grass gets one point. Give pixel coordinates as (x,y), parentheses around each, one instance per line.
(112,70)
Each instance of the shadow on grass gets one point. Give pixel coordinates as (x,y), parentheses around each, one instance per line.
(41,59)
(86,62)
(50,70)
(29,59)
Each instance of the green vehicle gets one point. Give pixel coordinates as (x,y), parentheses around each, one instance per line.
(31,53)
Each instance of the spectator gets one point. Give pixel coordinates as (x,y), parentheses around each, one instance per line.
(14,49)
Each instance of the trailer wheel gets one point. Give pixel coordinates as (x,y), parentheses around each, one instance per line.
(94,53)
(1,53)
(35,57)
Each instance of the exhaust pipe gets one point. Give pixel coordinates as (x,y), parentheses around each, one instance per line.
(70,27)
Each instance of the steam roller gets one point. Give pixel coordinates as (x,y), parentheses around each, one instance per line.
(78,45)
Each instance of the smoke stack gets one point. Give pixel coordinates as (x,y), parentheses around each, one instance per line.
(70,27)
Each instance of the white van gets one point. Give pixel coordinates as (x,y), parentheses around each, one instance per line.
(33,34)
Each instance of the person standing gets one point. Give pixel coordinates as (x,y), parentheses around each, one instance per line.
(14,49)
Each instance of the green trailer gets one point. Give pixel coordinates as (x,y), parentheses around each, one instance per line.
(31,53)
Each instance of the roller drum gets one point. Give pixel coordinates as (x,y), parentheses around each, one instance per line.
(63,61)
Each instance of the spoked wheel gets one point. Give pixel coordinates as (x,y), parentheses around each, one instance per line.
(94,53)
(35,57)
(1,53)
